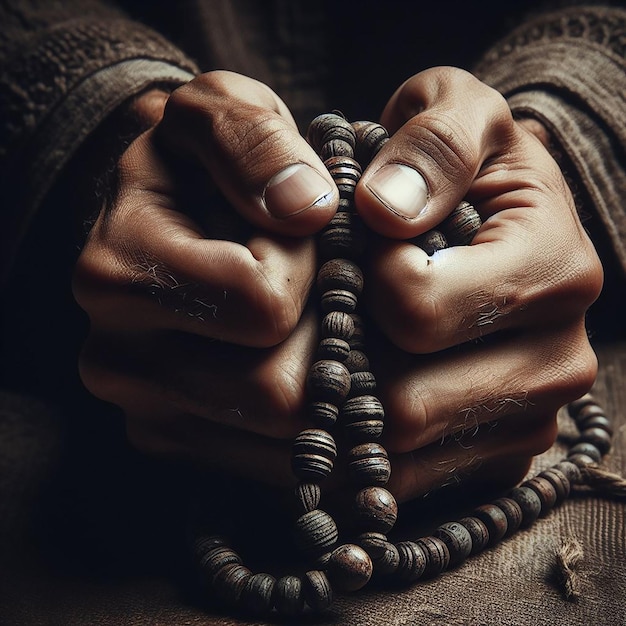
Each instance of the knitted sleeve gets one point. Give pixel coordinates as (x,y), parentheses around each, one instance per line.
(64,67)
(567,69)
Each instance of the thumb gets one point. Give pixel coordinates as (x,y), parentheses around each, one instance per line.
(243,135)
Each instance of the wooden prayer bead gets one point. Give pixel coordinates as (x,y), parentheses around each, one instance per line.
(329,127)
(343,167)
(362,384)
(334,349)
(205,544)
(336,148)
(437,555)
(370,138)
(318,593)
(315,533)
(529,503)
(458,540)
(546,492)
(494,519)
(597,421)
(340,274)
(228,583)
(357,361)
(363,430)
(587,411)
(308,497)
(343,237)
(586,448)
(328,381)
(411,562)
(597,437)
(384,554)
(217,558)
(357,341)
(323,414)
(338,324)
(362,417)
(256,596)
(571,470)
(460,227)
(368,464)
(288,599)
(575,406)
(513,513)
(338,300)
(430,241)
(478,532)
(559,482)
(313,454)
(582,460)
(349,567)
(375,509)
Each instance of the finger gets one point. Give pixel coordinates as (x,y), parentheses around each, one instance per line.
(521,377)
(445,124)
(244,136)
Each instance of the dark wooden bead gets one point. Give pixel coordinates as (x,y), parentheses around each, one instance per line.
(494,519)
(571,470)
(334,349)
(288,598)
(357,361)
(430,241)
(513,513)
(559,482)
(336,148)
(362,417)
(205,544)
(308,497)
(328,381)
(546,492)
(313,454)
(368,464)
(340,274)
(582,460)
(364,430)
(362,384)
(586,448)
(315,533)
(256,596)
(384,554)
(343,237)
(338,300)
(458,540)
(338,324)
(478,532)
(349,567)
(328,127)
(597,437)
(437,555)
(529,503)
(370,138)
(322,561)
(460,227)
(229,582)
(375,509)
(323,414)
(357,341)
(574,407)
(343,167)
(597,421)
(411,562)
(318,593)
(217,558)
(587,411)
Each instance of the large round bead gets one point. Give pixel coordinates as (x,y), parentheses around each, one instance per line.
(315,533)
(375,509)
(368,464)
(384,554)
(313,454)
(349,567)
(458,540)
(340,274)
(328,381)
(288,598)
(362,417)
(318,593)
(461,225)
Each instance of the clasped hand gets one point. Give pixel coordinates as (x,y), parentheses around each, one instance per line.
(200,327)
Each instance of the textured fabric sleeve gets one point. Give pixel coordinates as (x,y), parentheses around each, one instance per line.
(567,69)
(64,68)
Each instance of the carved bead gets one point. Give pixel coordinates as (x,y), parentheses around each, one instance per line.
(336,148)
(343,167)
(334,349)
(597,421)
(494,519)
(228,583)
(330,127)
(340,274)
(571,471)
(513,513)
(385,556)
(362,384)
(318,593)
(308,497)
(368,464)
(460,227)
(375,509)
(328,381)
(338,240)
(357,341)
(323,414)
(478,531)
(458,540)
(205,544)
(575,406)
(338,300)
(546,492)
(217,558)
(437,555)
(586,448)
(338,324)
(582,460)
(256,596)
(597,437)
(559,482)
(587,411)
(349,567)
(370,138)
(362,417)
(411,562)
(357,361)
(288,598)
(529,503)
(313,454)
(430,241)
(315,533)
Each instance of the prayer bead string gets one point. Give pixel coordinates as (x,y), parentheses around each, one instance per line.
(341,391)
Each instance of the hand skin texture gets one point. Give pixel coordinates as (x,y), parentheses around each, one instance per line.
(200,327)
